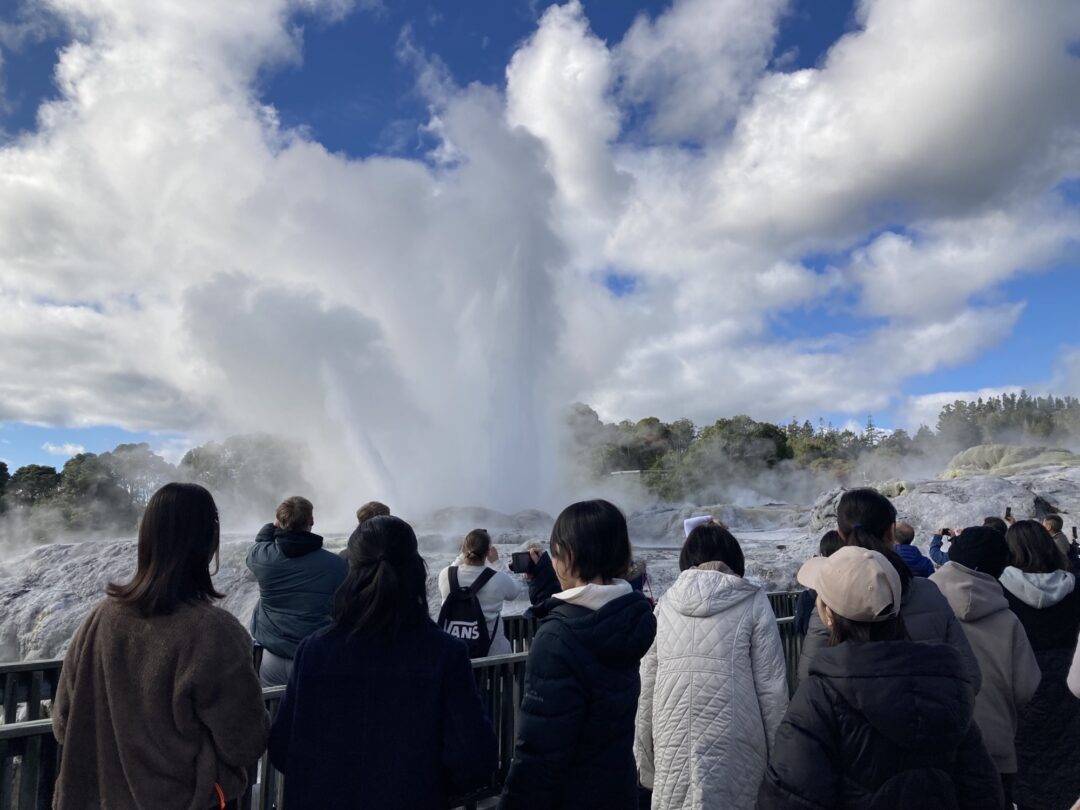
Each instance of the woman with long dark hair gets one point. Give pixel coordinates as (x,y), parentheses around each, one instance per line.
(575,744)
(1044,597)
(158,704)
(881,722)
(867,519)
(381,710)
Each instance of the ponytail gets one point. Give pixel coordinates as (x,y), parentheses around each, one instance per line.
(386,587)
(864,517)
(476,546)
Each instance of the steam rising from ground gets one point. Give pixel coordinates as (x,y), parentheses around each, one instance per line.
(175,258)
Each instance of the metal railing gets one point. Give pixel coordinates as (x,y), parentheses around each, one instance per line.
(30,755)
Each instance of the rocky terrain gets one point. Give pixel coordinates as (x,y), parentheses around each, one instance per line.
(46,592)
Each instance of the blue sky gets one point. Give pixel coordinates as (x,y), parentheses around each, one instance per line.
(355,95)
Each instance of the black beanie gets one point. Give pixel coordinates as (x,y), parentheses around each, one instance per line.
(981,549)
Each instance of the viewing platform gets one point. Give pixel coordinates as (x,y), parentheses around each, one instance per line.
(30,755)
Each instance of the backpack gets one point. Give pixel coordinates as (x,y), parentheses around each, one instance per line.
(461,615)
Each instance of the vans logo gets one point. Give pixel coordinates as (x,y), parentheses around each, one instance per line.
(466,631)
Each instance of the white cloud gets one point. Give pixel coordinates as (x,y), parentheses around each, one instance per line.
(66,450)
(176,260)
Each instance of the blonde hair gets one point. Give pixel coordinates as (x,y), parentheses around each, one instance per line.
(295,514)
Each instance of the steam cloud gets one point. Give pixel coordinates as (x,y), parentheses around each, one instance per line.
(174,258)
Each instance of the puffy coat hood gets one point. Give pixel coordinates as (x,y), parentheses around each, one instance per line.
(706,593)
(915,695)
(1038,590)
(618,634)
(972,595)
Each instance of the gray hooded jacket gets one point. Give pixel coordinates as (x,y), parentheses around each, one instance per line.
(1010,673)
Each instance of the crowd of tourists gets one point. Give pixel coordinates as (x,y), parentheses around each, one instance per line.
(949,681)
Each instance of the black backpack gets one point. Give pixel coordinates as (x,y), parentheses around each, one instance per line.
(461,615)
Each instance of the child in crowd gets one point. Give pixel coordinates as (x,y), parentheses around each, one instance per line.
(158,704)
(576,724)
(381,710)
(713,684)
(880,722)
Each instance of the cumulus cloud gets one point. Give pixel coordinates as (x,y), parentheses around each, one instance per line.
(177,260)
(66,450)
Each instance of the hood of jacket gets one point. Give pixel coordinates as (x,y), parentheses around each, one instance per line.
(297,544)
(702,593)
(594,596)
(916,695)
(1038,590)
(971,594)
(618,634)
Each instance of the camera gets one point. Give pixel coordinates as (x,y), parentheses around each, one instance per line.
(1008,512)
(521,562)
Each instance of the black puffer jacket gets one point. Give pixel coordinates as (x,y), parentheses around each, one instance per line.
(575,745)
(880,725)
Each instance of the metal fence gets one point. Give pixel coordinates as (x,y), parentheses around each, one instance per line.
(30,756)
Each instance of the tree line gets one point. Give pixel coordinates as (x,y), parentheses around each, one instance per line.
(681,461)
(106,492)
(676,461)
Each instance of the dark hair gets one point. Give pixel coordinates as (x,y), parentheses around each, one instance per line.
(829,542)
(295,514)
(594,535)
(997,524)
(371,509)
(904,534)
(386,587)
(711,542)
(1055,521)
(1032,549)
(178,536)
(477,545)
(864,517)
(891,629)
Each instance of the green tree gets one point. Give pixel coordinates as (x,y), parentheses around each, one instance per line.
(5,476)
(91,497)
(33,483)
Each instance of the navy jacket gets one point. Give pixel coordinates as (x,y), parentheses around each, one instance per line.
(884,724)
(920,566)
(938,556)
(297,582)
(385,724)
(575,745)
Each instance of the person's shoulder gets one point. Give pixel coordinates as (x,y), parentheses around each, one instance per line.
(213,621)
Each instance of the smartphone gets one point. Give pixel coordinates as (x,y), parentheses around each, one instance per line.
(521,562)
(946,532)
(1008,512)
(1074,533)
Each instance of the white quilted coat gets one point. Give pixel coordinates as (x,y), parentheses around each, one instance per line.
(713,692)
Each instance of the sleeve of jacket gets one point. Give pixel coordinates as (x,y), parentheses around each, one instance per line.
(770,671)
(281,731)
(544,582)
(925,566)
(817,638)
(550,719)
(954,635)
(227,696)
(257,553)
(509,587)
(804,772)
(1026,673)
(937,556)
(978,786)
(643,734)
(65,686)
(469,748)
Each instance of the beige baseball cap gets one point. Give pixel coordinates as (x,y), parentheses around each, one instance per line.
(856,583)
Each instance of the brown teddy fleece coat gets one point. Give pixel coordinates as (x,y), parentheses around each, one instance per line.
(152,712)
